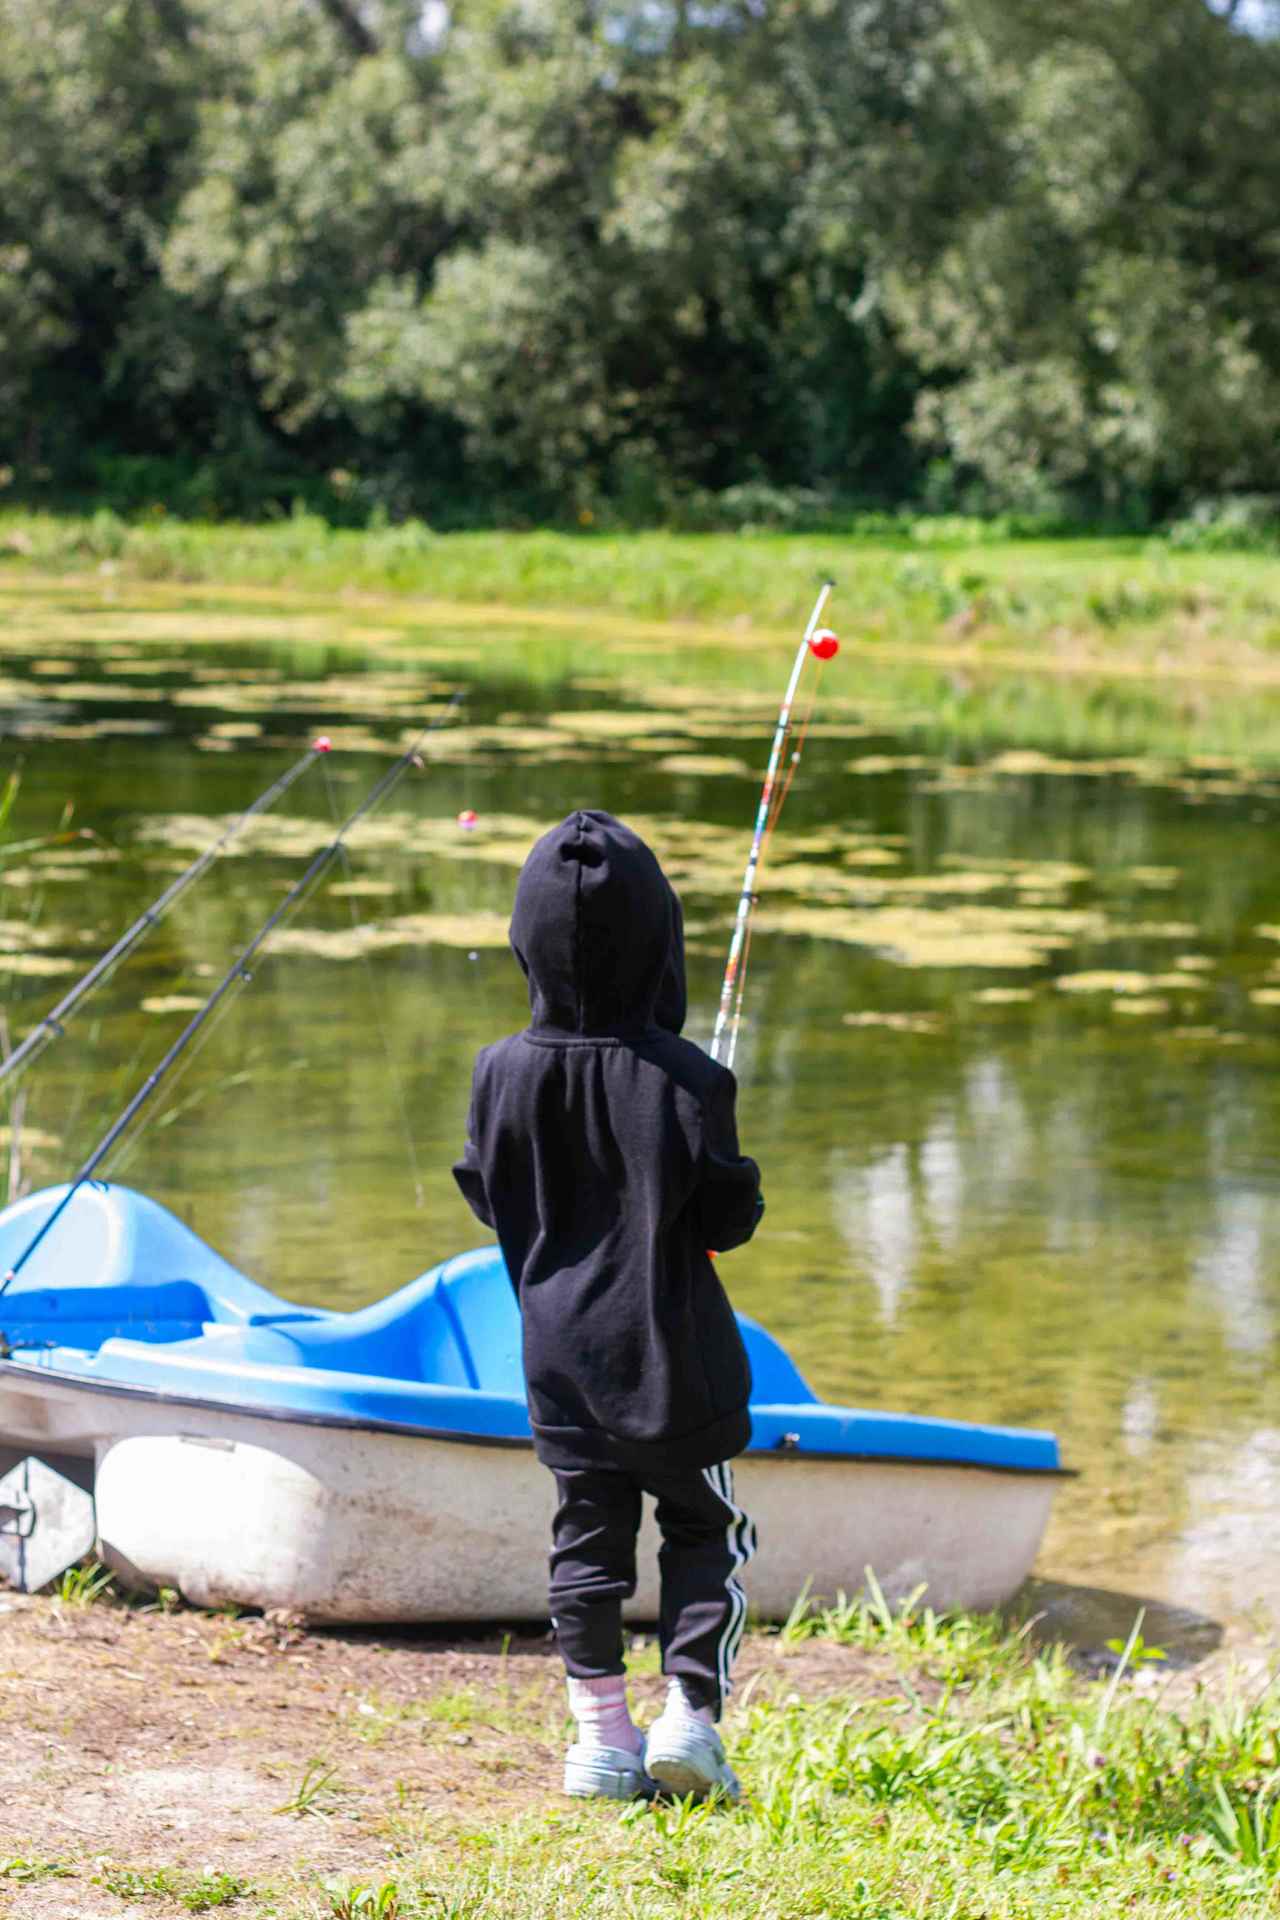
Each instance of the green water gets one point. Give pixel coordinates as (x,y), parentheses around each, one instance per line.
(990,1195)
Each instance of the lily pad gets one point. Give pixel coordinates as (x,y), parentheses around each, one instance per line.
(895,1022)
(1100,981)
(699,765)
(36,965)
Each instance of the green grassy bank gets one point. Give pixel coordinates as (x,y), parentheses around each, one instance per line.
(971,642)
(903,585)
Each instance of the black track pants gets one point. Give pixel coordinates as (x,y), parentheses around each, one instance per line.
(706,1540)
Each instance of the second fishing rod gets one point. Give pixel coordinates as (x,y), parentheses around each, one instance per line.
(53,1024)
(236,973)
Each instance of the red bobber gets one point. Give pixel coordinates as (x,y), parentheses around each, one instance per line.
(824,645)
(322,744)
(468,819)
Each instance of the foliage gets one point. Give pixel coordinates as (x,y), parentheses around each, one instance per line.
(17,1867)
(1244,521)
(316,1793)
(82,1585)
(698,266)
(1093,329)
(360,1902)
(207,1891)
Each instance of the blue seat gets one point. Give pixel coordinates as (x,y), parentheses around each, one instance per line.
(86,1316)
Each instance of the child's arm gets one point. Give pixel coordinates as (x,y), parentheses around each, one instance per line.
(728,1200)
(468,1173)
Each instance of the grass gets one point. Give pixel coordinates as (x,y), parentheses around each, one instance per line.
(938,573)
(85,1583)
(25,1871)
(991,1780)
(452,1709)
(317,1793)
(202,1893)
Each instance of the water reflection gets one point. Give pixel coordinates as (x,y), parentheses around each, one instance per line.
(942,1179)
(1230,1266)
(874,1207)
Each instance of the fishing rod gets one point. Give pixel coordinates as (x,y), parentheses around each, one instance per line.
(235,972)
(53,1024)
(822,644)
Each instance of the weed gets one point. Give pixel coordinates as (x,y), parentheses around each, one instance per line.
(366,1902)
(129,1883)
(19,1868)
(208,1890)
(212,1890)
(1247,1832)
(453,1707)
(949,1645)
(81,1585)
(316,1793)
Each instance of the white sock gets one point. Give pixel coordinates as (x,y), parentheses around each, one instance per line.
(679,1707)
(603,1716)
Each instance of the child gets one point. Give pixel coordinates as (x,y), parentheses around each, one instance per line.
(602,1148)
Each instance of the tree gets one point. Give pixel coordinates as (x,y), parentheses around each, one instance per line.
(96,113)
(1093,290)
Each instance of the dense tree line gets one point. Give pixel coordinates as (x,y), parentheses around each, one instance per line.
(568,254)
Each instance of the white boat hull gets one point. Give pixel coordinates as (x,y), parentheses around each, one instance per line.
(353,1524)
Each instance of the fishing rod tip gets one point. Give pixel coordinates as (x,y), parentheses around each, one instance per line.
(322,744)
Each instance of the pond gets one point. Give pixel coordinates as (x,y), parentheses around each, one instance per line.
(1009,1065)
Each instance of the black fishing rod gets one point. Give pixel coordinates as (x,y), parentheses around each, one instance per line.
(51,1027)
(235,972)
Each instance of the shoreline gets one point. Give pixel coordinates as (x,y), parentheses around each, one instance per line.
(1182,685)
(160,1761)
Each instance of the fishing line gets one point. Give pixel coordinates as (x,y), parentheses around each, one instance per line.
(823,645)
(794,761)
(778,804)
(371,976)
(52,1026)
(237,973)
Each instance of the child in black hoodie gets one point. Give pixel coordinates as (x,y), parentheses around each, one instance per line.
(602,1148)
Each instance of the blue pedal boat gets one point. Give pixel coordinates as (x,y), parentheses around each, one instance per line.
(377,1465)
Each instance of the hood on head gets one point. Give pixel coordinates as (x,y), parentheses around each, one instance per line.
(592,926)
(672,1003)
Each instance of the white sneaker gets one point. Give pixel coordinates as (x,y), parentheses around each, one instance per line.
(606,1773)
(685,1757)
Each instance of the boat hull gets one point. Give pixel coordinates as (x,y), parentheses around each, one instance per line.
(349,1524)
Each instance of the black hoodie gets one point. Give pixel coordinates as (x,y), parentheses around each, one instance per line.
(602,1148)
